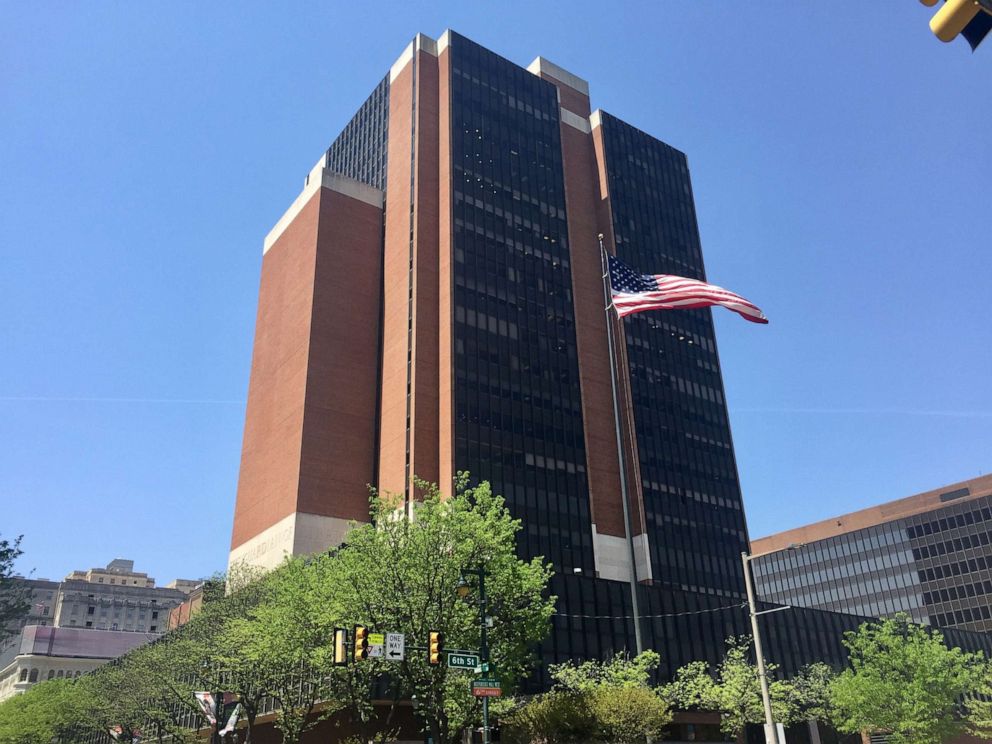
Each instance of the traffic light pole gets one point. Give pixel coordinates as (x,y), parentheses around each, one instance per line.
(484,642)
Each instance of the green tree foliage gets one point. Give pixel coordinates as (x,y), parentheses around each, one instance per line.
(399,574)
(14,594)
(620,671)
(556,717)
(270,636)
(903,680)
(810,693)
(979,706)
(45,711)
(733,689)
(208,655)
(277,639)
(596,701)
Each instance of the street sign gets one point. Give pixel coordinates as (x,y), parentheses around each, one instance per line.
(395,646)
(486,688)
(376,642)
(463,661)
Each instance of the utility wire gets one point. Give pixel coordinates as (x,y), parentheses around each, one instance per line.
(739,605)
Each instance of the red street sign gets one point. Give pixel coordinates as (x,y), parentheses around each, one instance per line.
(487,691)
(487,687)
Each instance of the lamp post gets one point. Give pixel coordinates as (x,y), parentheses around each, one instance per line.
(771,732)
(463,590)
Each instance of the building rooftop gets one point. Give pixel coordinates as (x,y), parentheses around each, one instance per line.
(874,515)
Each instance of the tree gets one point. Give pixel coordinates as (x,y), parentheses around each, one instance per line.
(810,693)
(157,671)
(399,574)
(115,698)
(278,639)
(904,681)
(608,701)
(978,706)
(620,671)
(556,717)
(43,712)
(734,690)
(14,594)
(208,656)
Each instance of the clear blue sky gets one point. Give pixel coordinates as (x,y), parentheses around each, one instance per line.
(841,169)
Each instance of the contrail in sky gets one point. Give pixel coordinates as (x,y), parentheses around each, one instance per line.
(47,399)
(869,411)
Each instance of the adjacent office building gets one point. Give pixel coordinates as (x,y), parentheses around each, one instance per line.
(928,555)
(432,302)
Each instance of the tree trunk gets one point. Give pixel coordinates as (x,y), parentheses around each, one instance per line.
(865,737)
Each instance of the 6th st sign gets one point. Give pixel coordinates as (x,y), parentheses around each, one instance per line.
(462,661)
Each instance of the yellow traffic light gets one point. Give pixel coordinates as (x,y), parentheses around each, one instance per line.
(954,17)
(340,647)
(361,642)
(435,647)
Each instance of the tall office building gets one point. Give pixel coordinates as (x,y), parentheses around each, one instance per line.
(432,302)
(928,555)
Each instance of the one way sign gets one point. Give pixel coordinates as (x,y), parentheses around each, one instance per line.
(395,646)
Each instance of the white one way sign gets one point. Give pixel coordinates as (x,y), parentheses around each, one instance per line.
(395,646)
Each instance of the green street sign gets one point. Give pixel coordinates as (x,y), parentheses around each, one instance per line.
(463,661)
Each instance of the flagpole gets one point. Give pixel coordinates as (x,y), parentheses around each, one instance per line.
(608,300)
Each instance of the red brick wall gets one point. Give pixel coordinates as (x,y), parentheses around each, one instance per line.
(308,442)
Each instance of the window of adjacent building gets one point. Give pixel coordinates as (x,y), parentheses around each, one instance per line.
(155,614)
(153,628)
(24,675)
(51,674)
(89,623)
(34,676)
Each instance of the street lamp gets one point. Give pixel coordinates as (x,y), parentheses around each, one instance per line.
(463,588)
(771,732)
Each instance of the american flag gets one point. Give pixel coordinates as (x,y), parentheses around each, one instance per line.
(635,293)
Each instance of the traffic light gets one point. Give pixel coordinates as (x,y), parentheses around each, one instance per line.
(340,647)
(970,18)
(361,638)
(435,647)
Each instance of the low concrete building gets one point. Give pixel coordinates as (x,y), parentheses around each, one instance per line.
(44,652)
